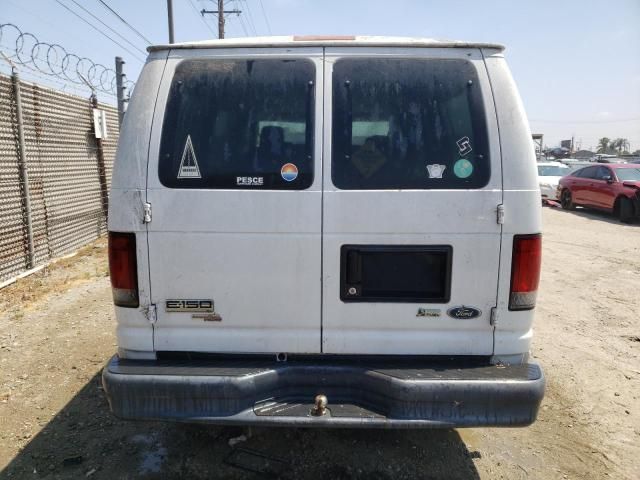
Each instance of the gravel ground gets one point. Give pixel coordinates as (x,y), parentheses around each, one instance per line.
(57,331)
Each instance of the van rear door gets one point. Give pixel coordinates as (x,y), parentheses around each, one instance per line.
(235,188)
(412,184)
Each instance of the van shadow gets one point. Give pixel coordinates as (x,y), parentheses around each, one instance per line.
(84,440)
(598,215)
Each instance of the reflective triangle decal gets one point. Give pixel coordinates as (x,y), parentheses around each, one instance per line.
(189,164)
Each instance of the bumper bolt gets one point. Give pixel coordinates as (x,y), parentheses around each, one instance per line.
(320,406)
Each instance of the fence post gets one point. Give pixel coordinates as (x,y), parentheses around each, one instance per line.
(120,89)
(22,166)
(102,172)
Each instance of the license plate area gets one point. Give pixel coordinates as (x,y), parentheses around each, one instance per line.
(395,273)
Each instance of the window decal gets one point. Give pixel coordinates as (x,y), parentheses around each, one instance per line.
(463,168)
(436,170)
(464,146)
(189,164)
(289,172)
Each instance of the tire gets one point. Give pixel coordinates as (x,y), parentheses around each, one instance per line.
(566,202)
(625,210)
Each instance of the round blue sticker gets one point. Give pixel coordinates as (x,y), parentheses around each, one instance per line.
(463,168)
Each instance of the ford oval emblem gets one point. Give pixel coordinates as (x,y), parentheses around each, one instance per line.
(464,313)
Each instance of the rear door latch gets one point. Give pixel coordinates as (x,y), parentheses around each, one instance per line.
(146,218)
(152,314)
(500,214)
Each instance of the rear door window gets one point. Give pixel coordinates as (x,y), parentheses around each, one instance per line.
(589,172)
(602,173)
(239,124)
(408,123)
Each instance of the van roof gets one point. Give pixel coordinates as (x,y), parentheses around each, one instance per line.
(325,41)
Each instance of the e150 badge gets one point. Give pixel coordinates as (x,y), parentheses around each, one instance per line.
(189,306)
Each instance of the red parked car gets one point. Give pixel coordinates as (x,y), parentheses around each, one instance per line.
(612,187)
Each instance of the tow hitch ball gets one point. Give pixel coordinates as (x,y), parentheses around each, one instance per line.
(320,406)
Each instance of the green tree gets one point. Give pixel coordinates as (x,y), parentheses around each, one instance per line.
(603,145)
(620,145)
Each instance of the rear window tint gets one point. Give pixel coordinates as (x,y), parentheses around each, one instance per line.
(589,172)
(603,172)
(406,123)
(239,124)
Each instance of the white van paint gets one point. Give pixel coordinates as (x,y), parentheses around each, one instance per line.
(190,215)
(270,259)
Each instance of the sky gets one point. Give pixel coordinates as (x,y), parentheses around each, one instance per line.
(576,62)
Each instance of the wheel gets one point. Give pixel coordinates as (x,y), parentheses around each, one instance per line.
(566,202)
(625,210)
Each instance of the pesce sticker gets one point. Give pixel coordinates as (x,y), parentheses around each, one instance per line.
(250,181)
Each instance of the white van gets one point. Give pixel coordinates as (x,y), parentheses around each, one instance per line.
(325,231)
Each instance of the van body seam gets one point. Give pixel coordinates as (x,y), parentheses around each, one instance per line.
(321,159)
(146,195)
(495,112)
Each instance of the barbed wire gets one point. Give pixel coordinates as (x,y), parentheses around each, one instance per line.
(53,60)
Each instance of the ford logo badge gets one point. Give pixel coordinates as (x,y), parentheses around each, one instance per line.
(464,313)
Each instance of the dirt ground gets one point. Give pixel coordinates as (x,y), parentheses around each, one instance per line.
(57,331)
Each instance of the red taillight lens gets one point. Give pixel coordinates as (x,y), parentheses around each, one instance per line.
(123,269)
(525,271)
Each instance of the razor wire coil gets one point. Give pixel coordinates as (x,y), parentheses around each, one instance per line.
(53,60)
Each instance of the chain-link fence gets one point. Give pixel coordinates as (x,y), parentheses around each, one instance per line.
(47,138)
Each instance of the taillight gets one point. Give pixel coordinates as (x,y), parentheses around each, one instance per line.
(123,269)
(525,271)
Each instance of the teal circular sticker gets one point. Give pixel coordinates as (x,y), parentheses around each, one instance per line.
(463,168)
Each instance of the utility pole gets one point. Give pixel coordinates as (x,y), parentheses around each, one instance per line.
(170,18)
(220,12)
(220,19)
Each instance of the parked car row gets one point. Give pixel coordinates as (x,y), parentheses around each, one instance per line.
(549,175)
(614,188)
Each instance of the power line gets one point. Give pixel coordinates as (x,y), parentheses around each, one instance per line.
(114,31)
(250,21)
(201,17)
(242,24)
(266,19)
(124,21)
(21,6)
(99,31)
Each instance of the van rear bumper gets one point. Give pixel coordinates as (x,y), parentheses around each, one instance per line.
(361,393)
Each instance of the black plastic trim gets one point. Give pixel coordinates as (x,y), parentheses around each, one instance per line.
(361,394)
(350,273)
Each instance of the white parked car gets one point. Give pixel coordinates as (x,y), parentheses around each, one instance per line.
(549,174)
(325,231)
